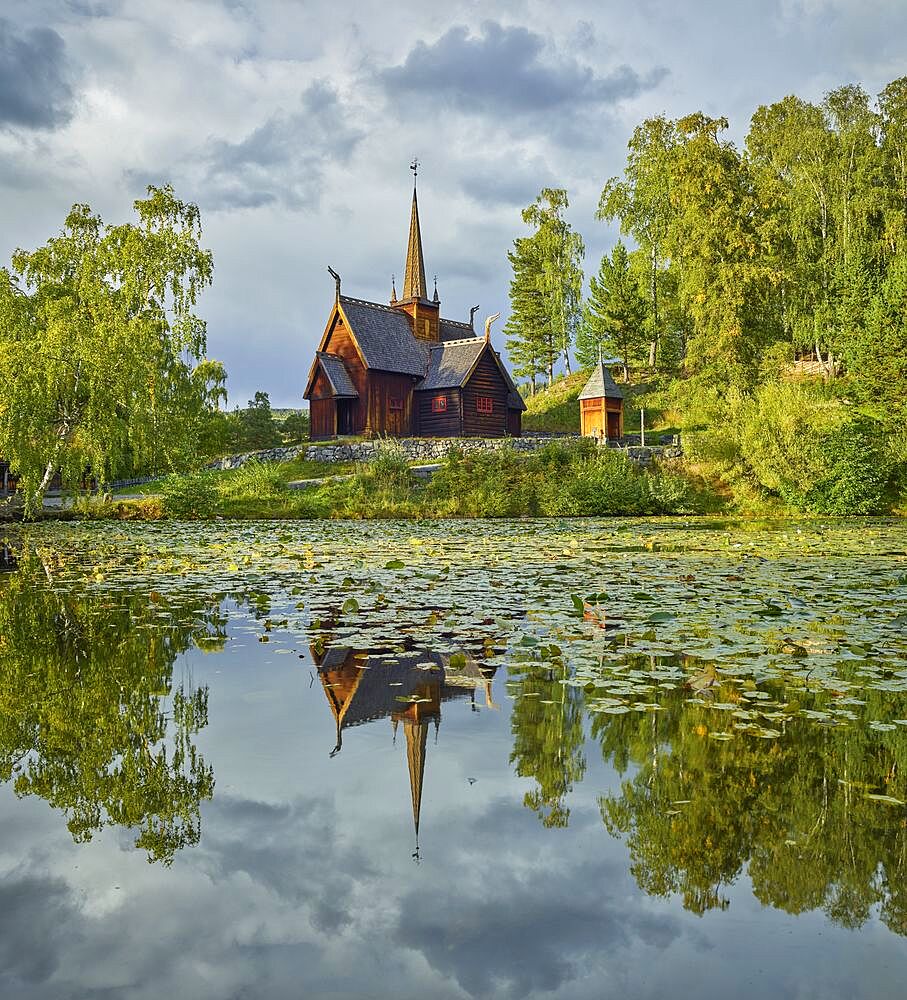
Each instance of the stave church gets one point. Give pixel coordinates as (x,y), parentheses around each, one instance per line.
(403,370)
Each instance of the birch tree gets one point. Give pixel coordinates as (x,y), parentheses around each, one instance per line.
(98,340)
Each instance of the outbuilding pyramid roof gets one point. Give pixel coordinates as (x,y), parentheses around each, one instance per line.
(601,385)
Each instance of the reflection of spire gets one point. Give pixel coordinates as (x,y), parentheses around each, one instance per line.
(416,732)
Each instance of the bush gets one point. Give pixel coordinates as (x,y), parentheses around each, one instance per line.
(606,484)
(671,493)
(798,443)
(254,480)
(856,471)
(189,496)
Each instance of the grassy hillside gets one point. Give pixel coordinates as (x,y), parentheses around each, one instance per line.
(557,408)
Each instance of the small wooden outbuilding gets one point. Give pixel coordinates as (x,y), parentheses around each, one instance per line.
(601,406)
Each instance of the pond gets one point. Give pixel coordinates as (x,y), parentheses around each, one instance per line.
(635,758)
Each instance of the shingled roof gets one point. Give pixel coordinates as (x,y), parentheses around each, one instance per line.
(452,329)
(337,375)
(601,384)
(450,363)
(385,338)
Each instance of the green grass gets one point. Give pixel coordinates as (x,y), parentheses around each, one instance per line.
(233,479)
(575,479)
(556,409)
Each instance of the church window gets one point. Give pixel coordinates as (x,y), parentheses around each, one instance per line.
(439,404)
(395,403)
(426,326)
(484,404)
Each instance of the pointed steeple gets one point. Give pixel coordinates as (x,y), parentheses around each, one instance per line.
(414,276)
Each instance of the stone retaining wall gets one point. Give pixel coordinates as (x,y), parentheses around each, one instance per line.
(423,450)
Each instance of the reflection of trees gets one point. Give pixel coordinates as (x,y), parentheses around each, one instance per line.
(547,724)
(793,810)
(84,687)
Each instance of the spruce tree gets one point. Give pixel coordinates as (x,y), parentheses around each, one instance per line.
(614,315)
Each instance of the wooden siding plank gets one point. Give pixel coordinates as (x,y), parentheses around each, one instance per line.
(486,381)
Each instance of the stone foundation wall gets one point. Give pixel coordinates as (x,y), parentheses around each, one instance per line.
(425,450)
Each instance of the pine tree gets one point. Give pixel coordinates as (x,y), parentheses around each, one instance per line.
(614,315)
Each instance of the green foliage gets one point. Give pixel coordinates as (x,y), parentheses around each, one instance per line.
(254,427)
(96,328)
(190,496)
(876,355)
(546,289)
(614,320)
(295,427)
(798,240)
(254,480)
(815,453)
(86,687)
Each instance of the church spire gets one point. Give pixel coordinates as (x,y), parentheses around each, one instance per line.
(414,276)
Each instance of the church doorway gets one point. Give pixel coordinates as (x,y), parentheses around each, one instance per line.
(613,426)
(345,416)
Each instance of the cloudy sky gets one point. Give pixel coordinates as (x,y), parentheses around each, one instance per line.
(292,124)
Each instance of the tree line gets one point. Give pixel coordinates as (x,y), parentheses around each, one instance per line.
(739,259)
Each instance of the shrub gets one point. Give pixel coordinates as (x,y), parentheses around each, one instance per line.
(189,496)
(389,469)
(606,484)
(254,480)
(856,471)
(671,493)
(797,443)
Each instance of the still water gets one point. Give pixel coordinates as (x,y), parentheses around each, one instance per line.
(519,759)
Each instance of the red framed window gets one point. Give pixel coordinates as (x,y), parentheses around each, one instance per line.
(439,404)
(484,404)
(395,403)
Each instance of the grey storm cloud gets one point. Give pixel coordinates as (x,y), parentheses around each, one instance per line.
(507,68)
(35,91)
(283,160)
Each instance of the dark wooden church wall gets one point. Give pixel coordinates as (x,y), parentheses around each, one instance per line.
(485,381)
(382,388)
(321,408)
(341,343)
(446,424)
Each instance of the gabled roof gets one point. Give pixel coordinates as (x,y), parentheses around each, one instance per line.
(450,364)
(384,337)
(601,385)
(452,329)
(337,375)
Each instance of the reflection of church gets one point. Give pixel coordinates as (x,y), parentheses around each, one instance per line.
(408,689)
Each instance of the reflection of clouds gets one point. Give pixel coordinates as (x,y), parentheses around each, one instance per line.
(34,915)
(294,851)
(297,899)
(502,933)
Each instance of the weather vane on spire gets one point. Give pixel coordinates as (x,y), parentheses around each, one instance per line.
(414,166)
